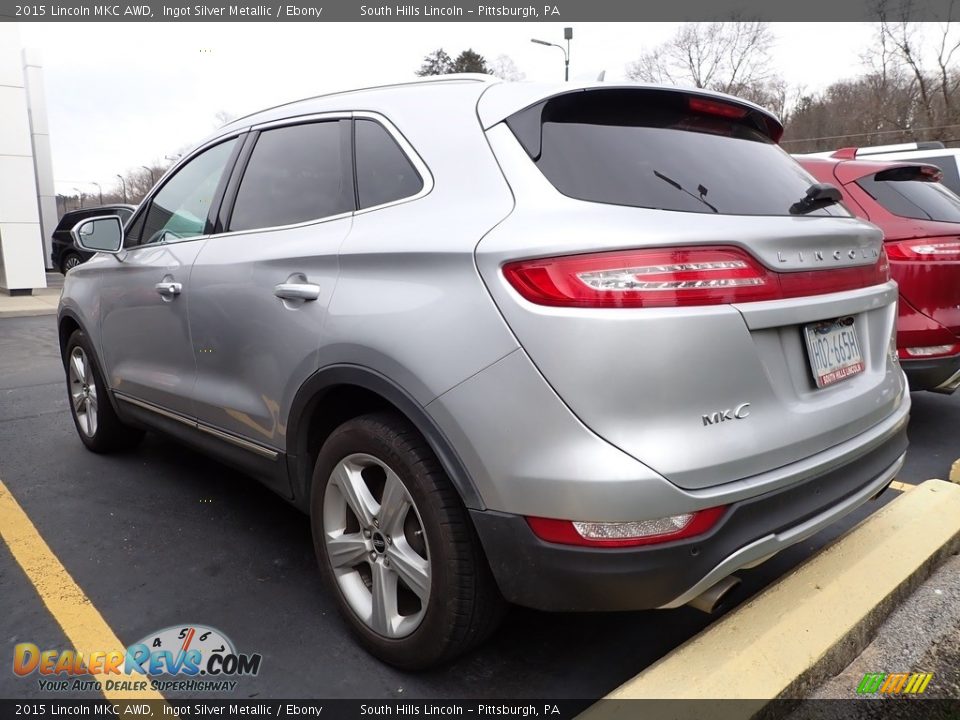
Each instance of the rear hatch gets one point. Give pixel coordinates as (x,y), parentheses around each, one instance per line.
(654,272)
(923,241)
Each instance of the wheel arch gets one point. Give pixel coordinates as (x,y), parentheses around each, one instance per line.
(337,393)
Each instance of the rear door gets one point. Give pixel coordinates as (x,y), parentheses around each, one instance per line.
(264,283)
(145,294)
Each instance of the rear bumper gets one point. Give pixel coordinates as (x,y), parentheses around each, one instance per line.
(937,374)
(555,577)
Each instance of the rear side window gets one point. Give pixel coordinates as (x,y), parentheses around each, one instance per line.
(660,149)
(918,199)
(384,172)
(296,174)
(948,164)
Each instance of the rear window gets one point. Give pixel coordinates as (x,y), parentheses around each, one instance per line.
(647,148)
(918,199)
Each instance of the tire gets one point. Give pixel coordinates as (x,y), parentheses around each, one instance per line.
(68,261)
(409,506)
(96,421)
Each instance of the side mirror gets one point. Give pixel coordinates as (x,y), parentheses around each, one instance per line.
(99,234)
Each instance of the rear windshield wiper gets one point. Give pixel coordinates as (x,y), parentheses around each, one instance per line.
(678,186)
(819,195)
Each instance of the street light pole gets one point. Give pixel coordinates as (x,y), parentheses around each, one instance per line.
(99,189)
(149,170)
(568,36)
(123,183)
(80,195)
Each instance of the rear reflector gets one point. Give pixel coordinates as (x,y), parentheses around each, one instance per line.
(924,250)
(625,534)
(667,277)
(930,351)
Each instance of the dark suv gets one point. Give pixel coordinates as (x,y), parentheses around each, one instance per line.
(65,254)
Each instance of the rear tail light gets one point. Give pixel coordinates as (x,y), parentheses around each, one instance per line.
(924,250)
(625,534)
(667,277)
(930,351)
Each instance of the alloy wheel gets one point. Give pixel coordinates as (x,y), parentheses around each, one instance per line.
(83,391)
(375,542)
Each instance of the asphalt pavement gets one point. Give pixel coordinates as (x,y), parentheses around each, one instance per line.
(162,536)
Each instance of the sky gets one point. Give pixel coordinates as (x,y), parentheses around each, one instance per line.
(124,95)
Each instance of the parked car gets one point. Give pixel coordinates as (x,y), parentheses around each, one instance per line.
(932,152)
(65,254)
(576,347)
(920,219)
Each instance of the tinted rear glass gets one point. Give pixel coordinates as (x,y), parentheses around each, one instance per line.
(295,174)
(647,149)
(922,200)
(384,173)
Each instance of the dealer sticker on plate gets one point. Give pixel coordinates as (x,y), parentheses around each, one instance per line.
(834,350)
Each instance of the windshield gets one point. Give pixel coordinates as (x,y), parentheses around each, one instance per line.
(647,148)
(918,199)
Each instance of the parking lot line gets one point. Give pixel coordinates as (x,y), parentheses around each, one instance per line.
(71,608)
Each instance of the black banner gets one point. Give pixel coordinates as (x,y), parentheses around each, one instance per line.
(465,10)
(874,708)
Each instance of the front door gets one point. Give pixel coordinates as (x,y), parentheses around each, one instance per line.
(147,350)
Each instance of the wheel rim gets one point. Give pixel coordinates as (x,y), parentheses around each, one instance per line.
(71,262)
(83,391)
(376,545)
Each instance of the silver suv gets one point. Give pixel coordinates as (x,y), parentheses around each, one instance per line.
(576,347)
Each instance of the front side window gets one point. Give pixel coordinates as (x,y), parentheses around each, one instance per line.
(180,209)
(384,173)
(912,198)
(295,174)
(664,150)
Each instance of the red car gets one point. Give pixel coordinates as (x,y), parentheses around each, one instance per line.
(920,219)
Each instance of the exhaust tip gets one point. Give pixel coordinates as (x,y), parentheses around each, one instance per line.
(712,599)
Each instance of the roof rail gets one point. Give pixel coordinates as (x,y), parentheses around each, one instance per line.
(452,77)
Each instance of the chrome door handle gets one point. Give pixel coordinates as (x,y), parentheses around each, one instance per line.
(168,289)
(297,291)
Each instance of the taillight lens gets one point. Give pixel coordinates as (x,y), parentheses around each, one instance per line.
(924,250)
(625,534)
(928,351)
(667,277)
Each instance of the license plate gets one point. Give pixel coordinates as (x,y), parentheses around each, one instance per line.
(834,350)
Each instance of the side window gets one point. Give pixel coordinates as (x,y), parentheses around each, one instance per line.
(181,207)
(123,213)
(295,174)
(384,173)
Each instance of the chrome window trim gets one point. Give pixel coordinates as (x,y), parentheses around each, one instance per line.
(240,442)
(407,149)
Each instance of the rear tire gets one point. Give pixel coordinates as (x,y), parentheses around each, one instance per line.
(96,421)
(69,261)
(397,547)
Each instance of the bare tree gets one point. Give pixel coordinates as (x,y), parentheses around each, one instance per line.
(506,69)
(731,57)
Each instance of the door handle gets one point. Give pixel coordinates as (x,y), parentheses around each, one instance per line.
(168,289)
(297,291)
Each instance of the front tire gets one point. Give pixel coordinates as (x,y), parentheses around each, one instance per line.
(96,421)
(397,547)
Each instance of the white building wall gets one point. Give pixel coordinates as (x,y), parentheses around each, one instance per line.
(21,243)
(40,140)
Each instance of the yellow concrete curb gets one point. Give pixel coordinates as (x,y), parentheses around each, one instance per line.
(955,472)
(813,622)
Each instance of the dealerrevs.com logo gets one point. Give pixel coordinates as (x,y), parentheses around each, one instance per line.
(201,657)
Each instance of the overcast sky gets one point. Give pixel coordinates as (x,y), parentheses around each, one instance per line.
(125,95)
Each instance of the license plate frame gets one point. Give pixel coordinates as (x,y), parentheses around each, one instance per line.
(833,350)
